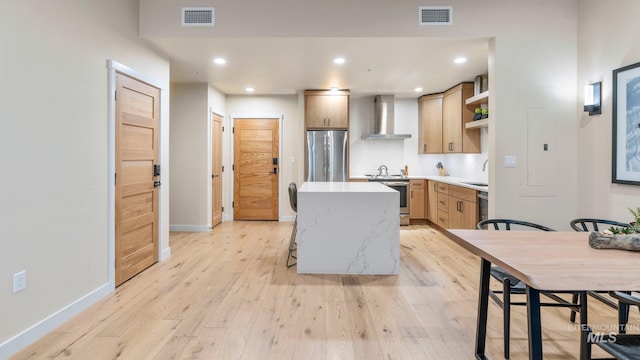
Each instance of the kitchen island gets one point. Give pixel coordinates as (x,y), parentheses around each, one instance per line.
(348,228)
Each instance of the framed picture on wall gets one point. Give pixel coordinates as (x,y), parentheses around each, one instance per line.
(626,125)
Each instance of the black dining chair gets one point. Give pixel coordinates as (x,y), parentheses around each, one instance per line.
(293,201)
(620,345)
(510,284)
(590,225)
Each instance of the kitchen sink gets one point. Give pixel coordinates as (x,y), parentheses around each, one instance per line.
(476,183)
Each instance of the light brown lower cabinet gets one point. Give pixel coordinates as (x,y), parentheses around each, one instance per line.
(455,206)
(417,206)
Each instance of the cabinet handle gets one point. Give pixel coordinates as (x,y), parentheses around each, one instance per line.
(412,194)
(450,146)
(441,202)
(425,147)
(441,219)
(459,206)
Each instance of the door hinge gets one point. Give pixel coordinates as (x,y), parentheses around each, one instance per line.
(115,95)
(233,204)
(115,178)
(233,167)
(223,129)
(222,168)
(223,209)
(233,130)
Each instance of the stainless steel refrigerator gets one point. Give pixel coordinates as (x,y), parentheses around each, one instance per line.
(326,155)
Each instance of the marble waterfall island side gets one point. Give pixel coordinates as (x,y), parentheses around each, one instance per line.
(348,228)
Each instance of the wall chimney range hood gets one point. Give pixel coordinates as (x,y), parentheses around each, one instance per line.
(383,120)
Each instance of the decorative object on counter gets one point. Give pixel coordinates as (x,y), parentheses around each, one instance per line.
(478,114)
(406,170)
(485,113)
(615,241)
(624,238)
(441,170)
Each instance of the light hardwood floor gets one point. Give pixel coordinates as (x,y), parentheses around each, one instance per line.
(226,294)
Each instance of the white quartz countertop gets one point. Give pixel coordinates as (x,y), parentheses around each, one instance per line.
(459,181)
(338,187)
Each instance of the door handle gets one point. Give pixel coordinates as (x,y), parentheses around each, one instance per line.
(275,171)
(214,176)
(156,183)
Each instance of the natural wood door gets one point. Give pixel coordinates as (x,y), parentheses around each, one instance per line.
(416,199)
(216,170)
(430,124)
(136,207)
(256,167)
(326,110)
(432,198)
(451,115)
(463,209)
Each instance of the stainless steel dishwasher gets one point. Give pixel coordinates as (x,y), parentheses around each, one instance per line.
(483,205)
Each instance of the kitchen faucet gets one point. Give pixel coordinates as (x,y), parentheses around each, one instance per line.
(386,171)
(484,166)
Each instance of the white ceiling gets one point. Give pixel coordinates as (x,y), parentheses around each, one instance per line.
(374,65)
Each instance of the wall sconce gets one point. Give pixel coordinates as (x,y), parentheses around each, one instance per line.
(592,99)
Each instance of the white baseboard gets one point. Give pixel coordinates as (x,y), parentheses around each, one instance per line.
(189,228)
(27,337)
(227,218)
(165,253)
(289,218)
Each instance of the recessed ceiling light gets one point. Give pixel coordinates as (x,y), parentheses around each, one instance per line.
(339,60)
(418,89)
(249,89)
(220,61)
(460,60)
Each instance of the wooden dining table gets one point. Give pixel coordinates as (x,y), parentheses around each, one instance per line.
(546,261)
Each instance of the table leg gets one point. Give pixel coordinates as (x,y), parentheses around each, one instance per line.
(483,307)
(535,326)
(585,348)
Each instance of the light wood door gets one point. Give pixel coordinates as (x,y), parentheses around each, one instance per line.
(216,170)
(416,199)
(256,169)
(456,138)
(430,124)
(451,127)
(463,209)
(136,207)
(432,198)
(326,110)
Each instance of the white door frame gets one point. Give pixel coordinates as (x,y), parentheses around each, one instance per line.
(114,67)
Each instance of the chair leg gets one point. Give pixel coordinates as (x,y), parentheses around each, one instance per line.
(506,307)
(292,243)
(574,300)
(623,317)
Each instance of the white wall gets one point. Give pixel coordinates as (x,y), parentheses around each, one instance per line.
(189,156)
(601,49)
(54,145)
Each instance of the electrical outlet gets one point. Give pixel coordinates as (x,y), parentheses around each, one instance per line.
(19,281)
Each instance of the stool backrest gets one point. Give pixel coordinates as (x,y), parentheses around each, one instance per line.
(293,196)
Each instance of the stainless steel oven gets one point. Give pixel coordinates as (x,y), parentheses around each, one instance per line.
(402,186)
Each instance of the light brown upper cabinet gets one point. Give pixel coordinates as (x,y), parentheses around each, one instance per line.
(325,109)
(455,115)
(430,124)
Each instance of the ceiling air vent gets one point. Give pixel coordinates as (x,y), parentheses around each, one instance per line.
(435,15)
(198,16)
